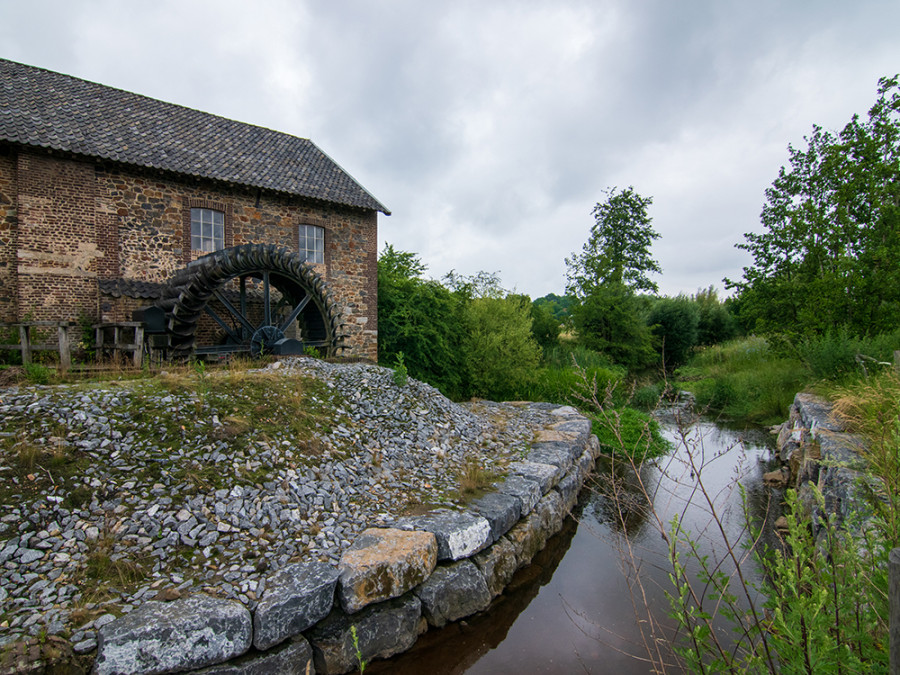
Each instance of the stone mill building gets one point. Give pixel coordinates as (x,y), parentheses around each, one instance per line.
(107,197)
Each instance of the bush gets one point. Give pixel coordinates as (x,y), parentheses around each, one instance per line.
(499,350)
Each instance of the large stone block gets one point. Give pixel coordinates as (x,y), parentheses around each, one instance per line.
(160,637)
(382,630)
(551,512)
(558,454)
(385,563)
(545,475)
(568,488)
(452,592)
(502,511)
(296,597)
(289,658)
(459,534)
(577,427)
(528,492)
(498,564)
(527,538)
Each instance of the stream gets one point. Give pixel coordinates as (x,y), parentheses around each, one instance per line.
(577,608)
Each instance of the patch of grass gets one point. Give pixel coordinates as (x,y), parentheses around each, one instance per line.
(474,479)
(629,432)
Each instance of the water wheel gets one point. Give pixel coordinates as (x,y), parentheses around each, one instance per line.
(255,298)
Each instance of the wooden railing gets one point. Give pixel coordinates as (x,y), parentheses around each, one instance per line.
(26,347)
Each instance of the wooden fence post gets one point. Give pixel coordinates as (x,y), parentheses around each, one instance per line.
(894,600)
(65,356)
(25,343)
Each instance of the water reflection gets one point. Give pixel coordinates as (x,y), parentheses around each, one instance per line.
(583,605)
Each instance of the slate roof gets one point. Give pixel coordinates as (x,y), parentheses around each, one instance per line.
(50,110)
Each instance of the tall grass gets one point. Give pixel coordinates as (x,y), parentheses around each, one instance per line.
(745,380)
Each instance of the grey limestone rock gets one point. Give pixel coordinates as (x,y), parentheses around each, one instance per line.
(501,510)
(186,634)
(382,630)
(545,475)
(296,597)
(568,489)
(384,563)
(528,492)
(453,592)
(290,658)
(498,564)
(459,534)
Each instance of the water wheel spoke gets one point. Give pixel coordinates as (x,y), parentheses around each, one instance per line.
(231,334)
(295,313)
(240,316)
(267,307)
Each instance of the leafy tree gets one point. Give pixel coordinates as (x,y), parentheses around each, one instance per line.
(716,323)
(420,319)
(545,327)
(611,321)
(559,305)
(674,322)
(603,279)
(618,249)
(499,348)
(829,253)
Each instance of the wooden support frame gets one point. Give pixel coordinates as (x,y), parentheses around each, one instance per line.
(26,347)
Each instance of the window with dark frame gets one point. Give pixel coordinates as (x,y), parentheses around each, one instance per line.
(312,243)
(207,230)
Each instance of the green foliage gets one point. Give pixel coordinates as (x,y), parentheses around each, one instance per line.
(545,326)
(717,324)
(401,374)
(359,659)
(422,319)
(618,249)
(500,351)
(610,321)
(829,254)
(828,598)
(559,306)
(674,323)
(744,380)
(629,432)
(38,373)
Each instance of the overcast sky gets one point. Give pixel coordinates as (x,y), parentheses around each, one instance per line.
(491,128)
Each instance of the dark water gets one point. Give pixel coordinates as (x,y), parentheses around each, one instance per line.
(578,608)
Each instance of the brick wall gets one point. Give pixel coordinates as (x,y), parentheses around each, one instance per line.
(8,236)
(81,222)
(57,238)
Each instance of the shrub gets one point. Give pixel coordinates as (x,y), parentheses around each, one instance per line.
(674,323)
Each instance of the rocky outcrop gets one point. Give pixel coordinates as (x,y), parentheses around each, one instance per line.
(816,452)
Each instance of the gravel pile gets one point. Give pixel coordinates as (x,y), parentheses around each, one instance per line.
(68,551)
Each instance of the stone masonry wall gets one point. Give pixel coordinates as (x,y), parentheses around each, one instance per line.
(391,584)
(78,222)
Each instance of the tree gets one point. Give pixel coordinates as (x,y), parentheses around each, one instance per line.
(674,322)
(421,319)
(610,321)
(603,280)
(829,253)
(618,249)
(499,349)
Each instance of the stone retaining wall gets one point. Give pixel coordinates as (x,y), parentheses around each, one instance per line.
(390,586)
(815,451)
